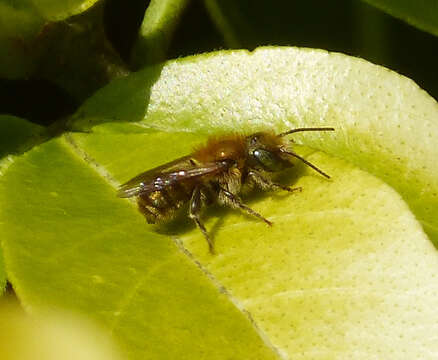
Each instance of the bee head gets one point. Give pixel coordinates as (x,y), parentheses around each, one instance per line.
(264,152)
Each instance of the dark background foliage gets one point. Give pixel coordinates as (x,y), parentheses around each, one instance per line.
(347,26)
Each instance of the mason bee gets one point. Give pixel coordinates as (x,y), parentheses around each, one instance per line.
(214,172)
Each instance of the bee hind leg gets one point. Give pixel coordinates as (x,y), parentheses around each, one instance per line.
(235,202)
(195,207)
(266,183)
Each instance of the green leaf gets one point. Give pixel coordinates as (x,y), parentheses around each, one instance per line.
(344,257)
(23,25)
(2,274)
(159,23)
(17,24)
(36,42)
(422,14)
(55,10)
(69,242)
(85,67)
(384,122)
(225,21)
(16,136)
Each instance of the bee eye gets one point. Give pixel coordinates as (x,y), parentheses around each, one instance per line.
(268,160)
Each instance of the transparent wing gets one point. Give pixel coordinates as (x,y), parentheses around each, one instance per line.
(166,175)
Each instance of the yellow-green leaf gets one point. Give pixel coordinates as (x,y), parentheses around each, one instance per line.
(2,274)
(346,270)
(345,263)
(16,136)
(385,124)
(70,243)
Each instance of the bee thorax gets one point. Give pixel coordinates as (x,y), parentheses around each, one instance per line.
(232,181)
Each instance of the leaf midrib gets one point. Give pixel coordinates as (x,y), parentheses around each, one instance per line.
(80,153)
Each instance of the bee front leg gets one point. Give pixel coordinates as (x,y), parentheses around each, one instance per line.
(195,207)
(266,183)
(234,201)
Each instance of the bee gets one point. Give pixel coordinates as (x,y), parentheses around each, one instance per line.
(215,172)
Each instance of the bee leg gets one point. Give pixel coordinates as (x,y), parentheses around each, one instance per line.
(194,212)
(265,183)
(235,202)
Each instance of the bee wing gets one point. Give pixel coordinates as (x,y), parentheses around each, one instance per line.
(135,185)
(166,175)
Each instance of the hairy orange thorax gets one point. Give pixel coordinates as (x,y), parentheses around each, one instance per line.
(221,148)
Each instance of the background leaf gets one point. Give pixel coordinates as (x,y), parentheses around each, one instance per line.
(18,135)
(59,10)
(226,21)
(159,23)
(422,14)
(350,27)
(50,337)
(384,123)
(21,27)
(17,23)
(36,42)
(345,256)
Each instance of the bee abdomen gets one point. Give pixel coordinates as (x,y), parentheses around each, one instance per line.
(161,204)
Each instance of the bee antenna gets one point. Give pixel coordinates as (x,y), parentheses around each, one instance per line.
(305,129)
(306,162)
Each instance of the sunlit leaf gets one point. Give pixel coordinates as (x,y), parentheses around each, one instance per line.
(384,122)
(344,257)
(70,243)
(2,274)
(345,271)
(16,136)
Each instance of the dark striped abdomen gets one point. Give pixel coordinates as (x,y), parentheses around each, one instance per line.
(161,204)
